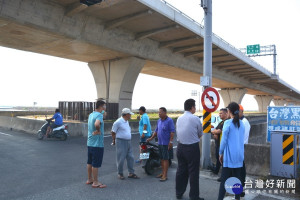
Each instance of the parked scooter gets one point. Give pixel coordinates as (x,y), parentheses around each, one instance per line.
(59,132)
(149,157)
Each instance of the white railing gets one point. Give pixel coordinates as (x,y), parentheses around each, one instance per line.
(218,37)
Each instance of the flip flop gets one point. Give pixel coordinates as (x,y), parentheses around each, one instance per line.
(134,176)
(88,183)
(159,175)
(163,179)
(99,186)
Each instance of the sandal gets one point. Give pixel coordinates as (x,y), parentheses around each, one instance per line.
(162,179)
(134,176)
(159,175)
(121,177)
(88,182)
(99,186)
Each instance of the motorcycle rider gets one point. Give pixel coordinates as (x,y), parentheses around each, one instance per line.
(57,123)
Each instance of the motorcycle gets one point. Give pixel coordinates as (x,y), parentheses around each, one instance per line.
(60,132)
(149,157)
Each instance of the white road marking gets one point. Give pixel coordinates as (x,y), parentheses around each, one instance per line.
(5,134)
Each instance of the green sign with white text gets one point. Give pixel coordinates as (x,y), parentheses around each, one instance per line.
(253,49)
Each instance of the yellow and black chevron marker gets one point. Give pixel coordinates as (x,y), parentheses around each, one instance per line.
(288,149)
(297,149)
(206,121)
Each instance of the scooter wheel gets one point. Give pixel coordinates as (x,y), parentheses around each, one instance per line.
(149,167)
(40,135)
(64,137)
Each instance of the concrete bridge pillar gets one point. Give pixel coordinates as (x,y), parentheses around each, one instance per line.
(279,102)
(115,79)
(232,94)
(263,102)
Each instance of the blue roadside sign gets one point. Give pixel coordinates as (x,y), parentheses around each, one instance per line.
(283,118)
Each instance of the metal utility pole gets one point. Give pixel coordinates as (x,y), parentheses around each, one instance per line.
(206,80)
(274,58)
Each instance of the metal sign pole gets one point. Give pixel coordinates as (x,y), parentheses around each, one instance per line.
(207,75)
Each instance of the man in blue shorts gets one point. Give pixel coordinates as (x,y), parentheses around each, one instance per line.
(95,144)
(165,132)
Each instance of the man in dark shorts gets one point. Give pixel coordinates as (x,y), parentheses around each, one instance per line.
(57,123)
(95,144)
(165,131)
(217,133)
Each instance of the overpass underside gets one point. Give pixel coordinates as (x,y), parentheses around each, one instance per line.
(135,35)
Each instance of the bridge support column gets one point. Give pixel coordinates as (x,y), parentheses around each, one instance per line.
(279,102)
(232,94)
(263,102)
(115,79)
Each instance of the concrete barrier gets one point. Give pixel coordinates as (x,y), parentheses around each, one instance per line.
(25,113)
(257,158)
(258,133)
(32,126)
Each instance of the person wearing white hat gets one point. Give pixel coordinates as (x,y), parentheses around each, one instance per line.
(121,134)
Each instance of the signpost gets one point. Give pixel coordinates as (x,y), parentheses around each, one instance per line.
(253,49)
(210,101)
(206,80)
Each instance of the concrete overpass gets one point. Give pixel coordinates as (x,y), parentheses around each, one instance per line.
(121,38)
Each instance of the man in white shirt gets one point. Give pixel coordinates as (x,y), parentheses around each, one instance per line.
(189,131)
(121,135)
(246,138)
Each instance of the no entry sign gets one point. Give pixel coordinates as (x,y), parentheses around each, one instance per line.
(210,99)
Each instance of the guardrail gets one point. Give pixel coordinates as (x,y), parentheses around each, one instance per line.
(218,37)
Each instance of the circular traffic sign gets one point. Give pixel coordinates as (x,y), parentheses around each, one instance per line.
(210,99)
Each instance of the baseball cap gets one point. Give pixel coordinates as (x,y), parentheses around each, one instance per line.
(241,107)
(127,111)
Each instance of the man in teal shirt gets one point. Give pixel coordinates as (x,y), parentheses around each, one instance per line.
(144,125)
(95,144)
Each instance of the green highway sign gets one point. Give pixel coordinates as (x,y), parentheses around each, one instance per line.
(253,49)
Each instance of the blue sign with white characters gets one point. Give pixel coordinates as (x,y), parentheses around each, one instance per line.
(283,118)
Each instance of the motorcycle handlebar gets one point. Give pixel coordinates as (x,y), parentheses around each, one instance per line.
(148,143)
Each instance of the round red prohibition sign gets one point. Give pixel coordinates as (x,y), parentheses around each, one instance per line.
(210,99)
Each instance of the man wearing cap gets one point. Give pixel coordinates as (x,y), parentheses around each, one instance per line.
(246,137)
(144,125)
(121,134)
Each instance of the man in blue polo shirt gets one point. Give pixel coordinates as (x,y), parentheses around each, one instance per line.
(165,132)
(95,144)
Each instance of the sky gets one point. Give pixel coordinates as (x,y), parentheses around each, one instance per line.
(29,77)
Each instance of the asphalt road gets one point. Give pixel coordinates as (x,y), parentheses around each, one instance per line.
(52,169)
